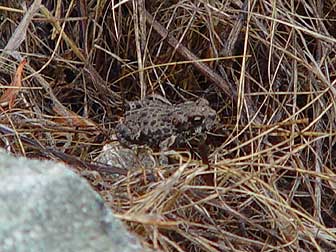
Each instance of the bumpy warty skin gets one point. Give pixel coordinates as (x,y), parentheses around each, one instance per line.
(154,120)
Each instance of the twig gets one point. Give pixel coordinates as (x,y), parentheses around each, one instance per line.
(186,53)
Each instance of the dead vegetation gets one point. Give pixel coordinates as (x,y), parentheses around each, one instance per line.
(268,182)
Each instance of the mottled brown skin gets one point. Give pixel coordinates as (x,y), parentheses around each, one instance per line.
(155,122)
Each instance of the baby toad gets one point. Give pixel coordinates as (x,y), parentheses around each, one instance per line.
(156,122)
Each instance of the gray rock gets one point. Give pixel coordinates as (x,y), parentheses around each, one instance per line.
(116,155)
(46,207)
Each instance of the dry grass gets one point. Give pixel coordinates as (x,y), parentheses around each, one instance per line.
(267,67)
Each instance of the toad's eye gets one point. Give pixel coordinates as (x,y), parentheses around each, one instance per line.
(197,120)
